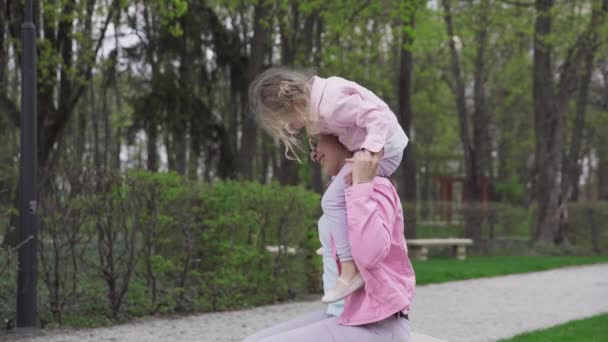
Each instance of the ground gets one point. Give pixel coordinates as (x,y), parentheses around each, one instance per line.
(485,309)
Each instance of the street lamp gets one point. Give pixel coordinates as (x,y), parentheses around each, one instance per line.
(27,308)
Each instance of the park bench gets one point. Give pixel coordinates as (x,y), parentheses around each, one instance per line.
(420,247)
(281,248)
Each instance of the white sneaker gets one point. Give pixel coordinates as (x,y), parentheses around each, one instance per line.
(334,295)
(320,251)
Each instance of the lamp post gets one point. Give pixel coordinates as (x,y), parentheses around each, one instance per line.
(27,308)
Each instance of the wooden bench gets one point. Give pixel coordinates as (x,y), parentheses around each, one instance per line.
(420,247)
(281,248)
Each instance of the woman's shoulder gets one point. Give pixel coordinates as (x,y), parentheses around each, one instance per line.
(384,183)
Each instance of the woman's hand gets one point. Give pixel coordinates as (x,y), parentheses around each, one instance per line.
(365,166)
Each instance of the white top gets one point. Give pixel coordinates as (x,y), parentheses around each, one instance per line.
(330,268)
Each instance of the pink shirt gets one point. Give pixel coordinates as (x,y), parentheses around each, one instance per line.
(376,233)
(358,117)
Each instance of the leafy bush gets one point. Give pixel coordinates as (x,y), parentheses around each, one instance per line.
(511,191)
(241,219)
(588,225)
(114,246)
(508,228)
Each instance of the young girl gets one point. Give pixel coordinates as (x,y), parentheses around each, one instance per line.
(288,101)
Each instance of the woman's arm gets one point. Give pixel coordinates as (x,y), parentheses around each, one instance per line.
(371,212)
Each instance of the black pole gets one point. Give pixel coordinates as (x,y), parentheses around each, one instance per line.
(27,308)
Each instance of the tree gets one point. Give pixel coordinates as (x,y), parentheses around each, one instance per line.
(475,144)
(550,100)
(408,178)
(63,71)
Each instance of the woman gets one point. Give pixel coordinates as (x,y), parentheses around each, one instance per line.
(379,311)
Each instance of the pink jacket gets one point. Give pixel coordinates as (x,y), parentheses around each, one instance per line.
(358,117)
(376,234)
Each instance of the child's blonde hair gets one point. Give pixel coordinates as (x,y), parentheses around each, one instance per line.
(278,96)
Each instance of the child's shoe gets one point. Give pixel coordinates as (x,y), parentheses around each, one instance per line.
(342,289)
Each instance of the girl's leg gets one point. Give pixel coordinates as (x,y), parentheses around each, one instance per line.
(389,164)
(334,213)
(295,323)
(335,203)
(393,154)
(328,330)
(334,209)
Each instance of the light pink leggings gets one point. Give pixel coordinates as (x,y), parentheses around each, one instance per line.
(318,326)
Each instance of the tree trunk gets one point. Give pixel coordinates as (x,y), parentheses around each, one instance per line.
(179,146)
(288,171)
(117,98)
(408,173)
(3,59)
(288,168)
(572,168)
(249,140)
(459,90)
(471,187)
(317,179)
(107,137)
(81,140)
(549,109)
(169,143)
(482,145)
(548,127)
(117,149)
(265,152)
(602,172)
(117,146)
(195,153)
(151,146)
(95,121)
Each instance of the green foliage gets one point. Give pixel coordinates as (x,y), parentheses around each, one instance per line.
(584,330)
(199,247)
(588,225)
(511,190)
(8,289)
(243,218)
(444,270)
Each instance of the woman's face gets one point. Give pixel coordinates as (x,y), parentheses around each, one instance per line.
(330,154)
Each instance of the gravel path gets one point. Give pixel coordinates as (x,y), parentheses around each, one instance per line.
(471,310)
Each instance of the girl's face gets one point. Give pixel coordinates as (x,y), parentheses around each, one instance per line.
(296,124)
(329,153)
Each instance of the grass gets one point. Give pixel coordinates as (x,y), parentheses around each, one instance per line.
(588,330)
(443,270)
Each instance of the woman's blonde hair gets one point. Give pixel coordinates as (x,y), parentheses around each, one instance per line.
(278,96)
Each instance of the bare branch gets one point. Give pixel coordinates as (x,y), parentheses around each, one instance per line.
(518,3)
(89,68)
(588,41)
(359,10)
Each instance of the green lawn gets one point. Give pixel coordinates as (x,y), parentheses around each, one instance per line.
(588,330)
(440,270)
